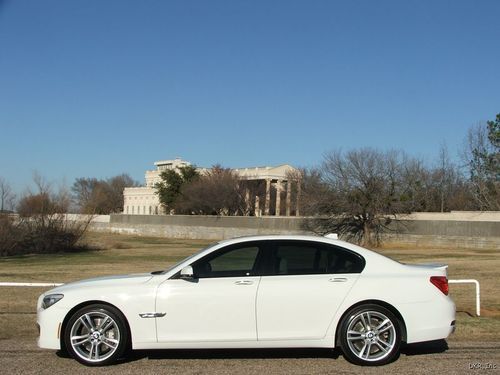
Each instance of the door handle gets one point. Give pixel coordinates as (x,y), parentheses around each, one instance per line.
(244,282)
(338,279)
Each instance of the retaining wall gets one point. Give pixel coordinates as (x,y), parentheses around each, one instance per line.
(456,229)
(203,227)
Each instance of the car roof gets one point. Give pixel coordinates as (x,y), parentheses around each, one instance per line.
(263,237)
(296,237)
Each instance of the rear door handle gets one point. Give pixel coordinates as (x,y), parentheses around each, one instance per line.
(338,279)
(244,282)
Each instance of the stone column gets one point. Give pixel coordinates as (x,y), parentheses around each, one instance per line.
(268,197)
(278,198)
(257,206)
(247,202)
(297,207)
(288,196)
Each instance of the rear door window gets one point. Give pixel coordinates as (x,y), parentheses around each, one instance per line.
(309,258)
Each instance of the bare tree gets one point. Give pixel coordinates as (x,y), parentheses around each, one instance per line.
(217,192)
(40,204)
(43,201)
(83,193)
(443,170)
(116,185)
(439,187)
(415,189)
(357,193)
(253,191)
(42,185)
(446,186)
(7,197)
(317,196)
(42,226)
(94,196)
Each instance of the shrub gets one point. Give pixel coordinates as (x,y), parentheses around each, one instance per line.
(41,226)
(39,234)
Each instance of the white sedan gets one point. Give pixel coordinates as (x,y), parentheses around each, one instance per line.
(255,292)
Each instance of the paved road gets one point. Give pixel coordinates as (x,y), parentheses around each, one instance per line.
(23,357)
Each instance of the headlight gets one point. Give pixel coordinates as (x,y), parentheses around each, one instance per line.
(50,299)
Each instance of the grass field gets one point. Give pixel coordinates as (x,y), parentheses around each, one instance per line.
(131,254)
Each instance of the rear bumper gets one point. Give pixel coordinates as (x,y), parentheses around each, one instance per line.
(427,321)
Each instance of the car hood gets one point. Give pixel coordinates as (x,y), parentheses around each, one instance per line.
(105,281)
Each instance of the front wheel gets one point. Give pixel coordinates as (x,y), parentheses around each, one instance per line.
(96,335)
(370,335)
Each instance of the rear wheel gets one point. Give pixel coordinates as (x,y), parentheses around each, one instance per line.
(96,335)
(370,335)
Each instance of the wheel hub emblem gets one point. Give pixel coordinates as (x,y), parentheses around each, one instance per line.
(96,335)
(369,335)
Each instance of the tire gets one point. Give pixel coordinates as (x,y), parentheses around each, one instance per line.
(96,335)
(370,335)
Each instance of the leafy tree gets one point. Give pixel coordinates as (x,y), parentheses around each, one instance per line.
(482,157)
(172,181)
(493,157)
(494,132)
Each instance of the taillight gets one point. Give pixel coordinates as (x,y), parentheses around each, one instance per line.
(440,282)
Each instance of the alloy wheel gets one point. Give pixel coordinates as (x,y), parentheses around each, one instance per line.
(95,336)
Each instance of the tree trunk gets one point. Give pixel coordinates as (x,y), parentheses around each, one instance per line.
(367,238)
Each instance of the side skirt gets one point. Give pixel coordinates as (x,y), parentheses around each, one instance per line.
(327,342)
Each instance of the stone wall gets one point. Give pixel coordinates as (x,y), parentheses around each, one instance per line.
(203,227)
(444,234)
(450,230)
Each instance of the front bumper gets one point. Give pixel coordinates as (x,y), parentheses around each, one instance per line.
(50,322)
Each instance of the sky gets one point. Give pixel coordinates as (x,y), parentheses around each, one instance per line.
(95,88)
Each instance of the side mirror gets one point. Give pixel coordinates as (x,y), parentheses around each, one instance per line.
(187,273)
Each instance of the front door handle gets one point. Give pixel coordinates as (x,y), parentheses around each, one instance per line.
(244,282)
(338,279)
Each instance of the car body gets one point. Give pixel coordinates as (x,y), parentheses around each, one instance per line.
(255,292)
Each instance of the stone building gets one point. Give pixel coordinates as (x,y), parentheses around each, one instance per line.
(276,198)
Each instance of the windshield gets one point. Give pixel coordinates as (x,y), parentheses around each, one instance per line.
(183,260)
